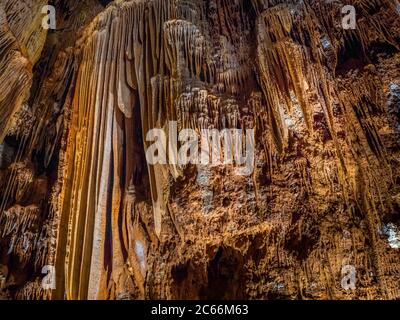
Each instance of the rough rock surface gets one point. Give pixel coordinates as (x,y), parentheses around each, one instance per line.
(77,193)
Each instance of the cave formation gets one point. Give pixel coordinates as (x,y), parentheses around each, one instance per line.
(76,191)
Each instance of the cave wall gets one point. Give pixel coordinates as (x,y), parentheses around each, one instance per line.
(78,194)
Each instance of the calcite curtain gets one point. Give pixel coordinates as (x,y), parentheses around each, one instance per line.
(77,193)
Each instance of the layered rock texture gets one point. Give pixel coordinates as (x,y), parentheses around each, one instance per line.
(76,191)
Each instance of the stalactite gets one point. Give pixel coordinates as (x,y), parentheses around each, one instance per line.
(323,102)
(32,291)
(21,41)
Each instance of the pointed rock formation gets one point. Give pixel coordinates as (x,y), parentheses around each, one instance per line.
(77,193)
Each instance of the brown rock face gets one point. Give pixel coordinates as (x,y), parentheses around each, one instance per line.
(317,216)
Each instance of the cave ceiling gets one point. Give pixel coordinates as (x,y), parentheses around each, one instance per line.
(303,105)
